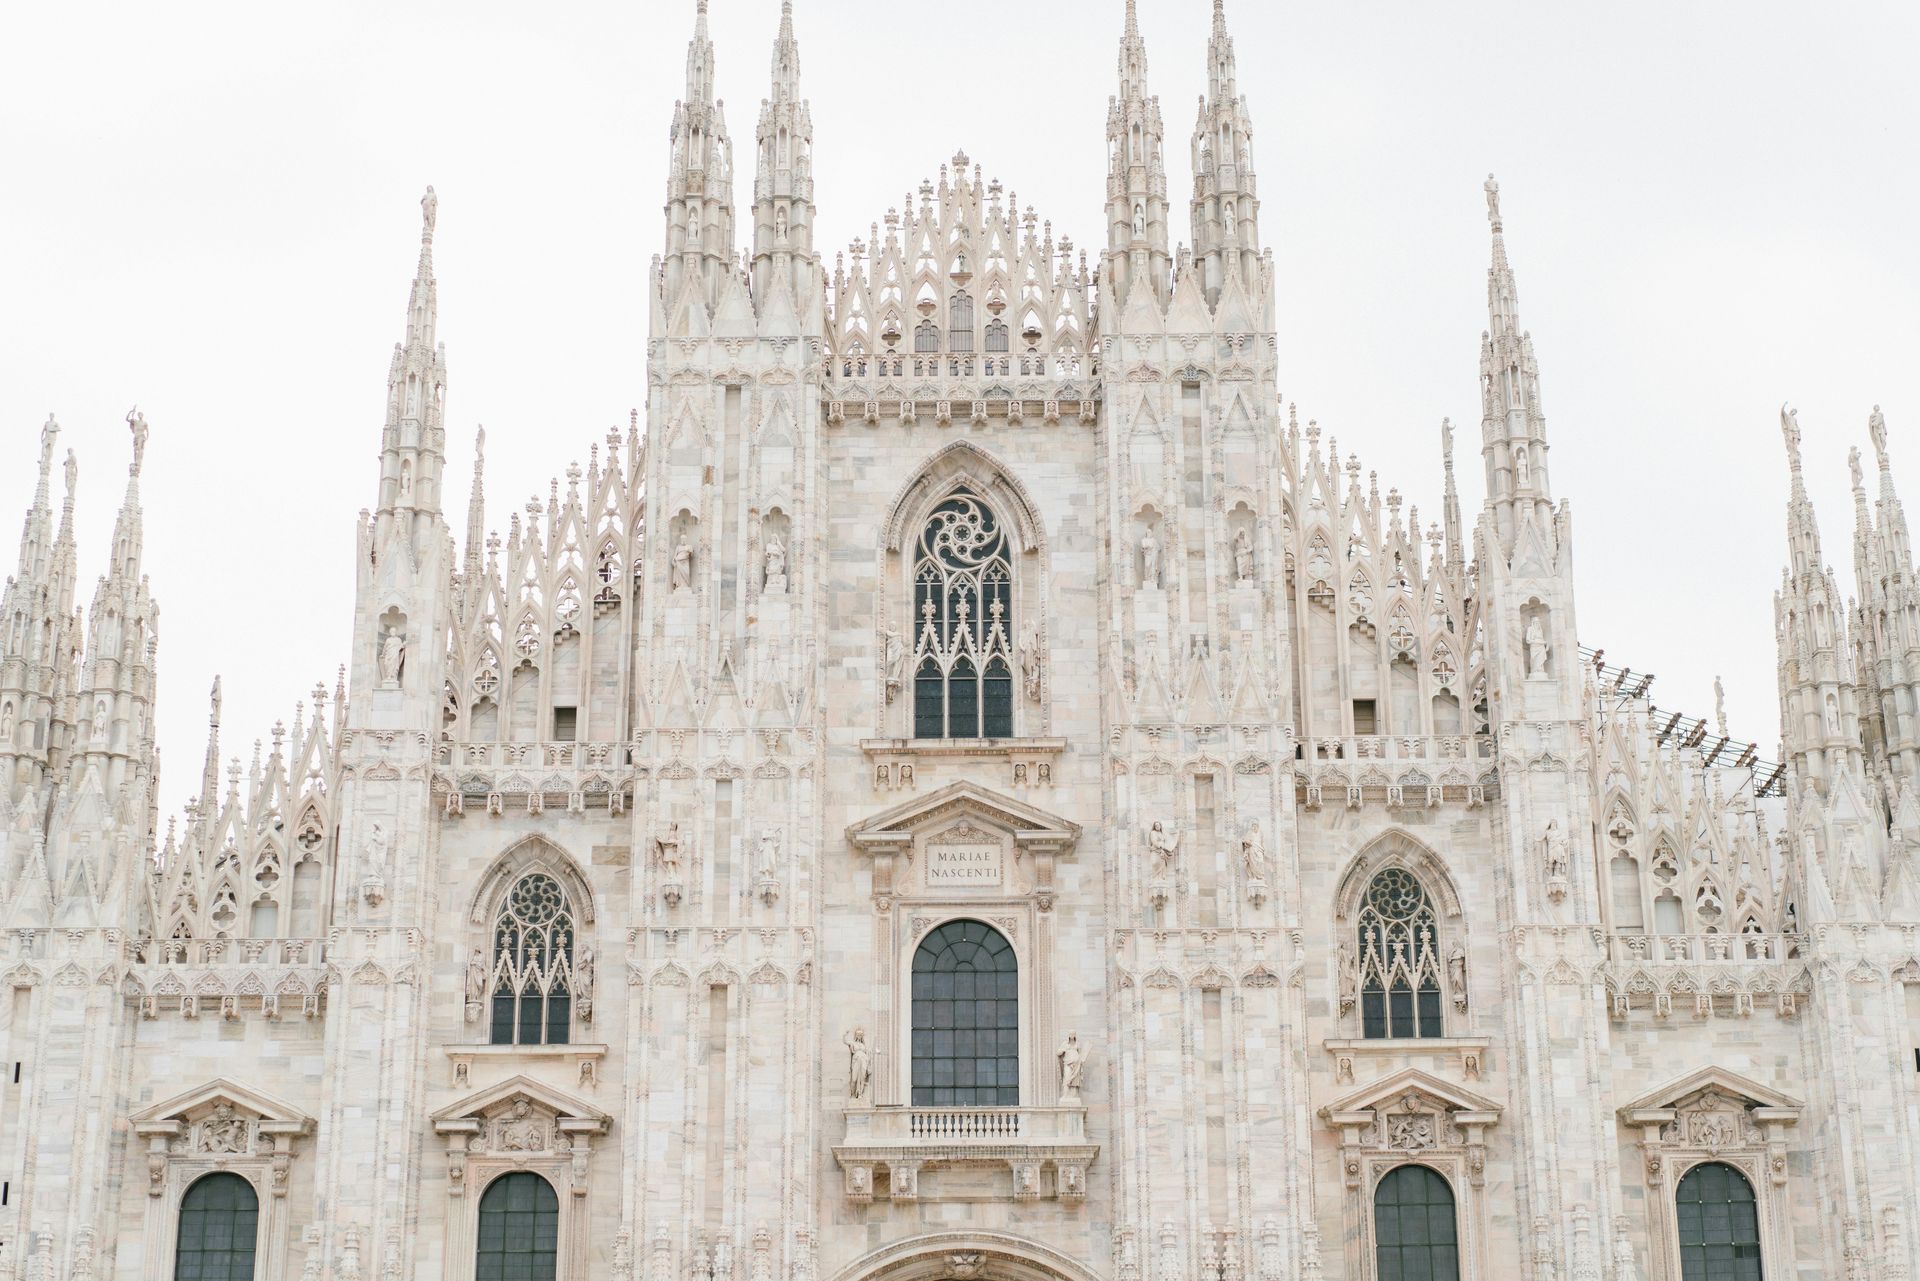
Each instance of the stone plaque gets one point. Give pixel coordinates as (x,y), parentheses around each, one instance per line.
(965,857)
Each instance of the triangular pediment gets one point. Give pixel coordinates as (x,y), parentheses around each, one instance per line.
(1718,1079)
(1391,1091)
(557,1103)
(1029,824)
(183,1107)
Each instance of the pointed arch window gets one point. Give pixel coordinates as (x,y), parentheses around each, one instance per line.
(519,1237)
(219,1225)
(1719,1225)
(1399,959)
(963,615)
(926,336)
(960,322)
(966,1018)
(1415,1233)
(533,964)
(996,335)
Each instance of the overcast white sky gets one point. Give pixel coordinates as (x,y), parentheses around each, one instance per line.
(211,209)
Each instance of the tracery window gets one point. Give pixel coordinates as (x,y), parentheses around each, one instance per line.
(966,1018)
(1415,1236)
(960,322)
(997,337)
(519,1237)
(963,611)
(533,964)
(1399,959)
(926,336)
(1719,1225)
(219,1222)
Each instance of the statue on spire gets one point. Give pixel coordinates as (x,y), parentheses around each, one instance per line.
(429,213)
(1853,466)
(1790,428)
(1877,429)
(1492,189)
(137,423)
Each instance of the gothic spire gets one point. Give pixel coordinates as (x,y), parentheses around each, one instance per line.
(699,180)
(1450,506)
(1136,176)
(38,634)
(1513,429)
(1803,527)
(413,445)
(783,180)
(1226,202)
(476,515)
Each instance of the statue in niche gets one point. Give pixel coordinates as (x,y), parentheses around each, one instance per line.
(6,723)
(859,1065)
(1833,717)
(391,656)
(1163,843)
(683,565)
(1253,852)
(780,225)
(1536,639)
(1554,842)
(1349,977)
(1522,469)
(477,984)
(583,983)
(1243,556)
(666,850)
(1073,1061)
(101,719)
(1457,974)
(406,480)
(1139,220)
(224,1131)
(373,878)
(776,566)
(894,659)
(769,853)
(522,1132)
(1030,662)
(1149,560)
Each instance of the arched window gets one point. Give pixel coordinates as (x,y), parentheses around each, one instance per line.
(996,335)
(1719,1225)
(960,322)
(519,1237)
(1399,959)
(1414,1235)
(533,964)
(963,615)
(219,1222)
(926,336)
(966,1018)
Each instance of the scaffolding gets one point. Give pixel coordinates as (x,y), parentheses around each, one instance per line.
(1623,684)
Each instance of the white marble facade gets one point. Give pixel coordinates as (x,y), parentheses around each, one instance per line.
(1233,710)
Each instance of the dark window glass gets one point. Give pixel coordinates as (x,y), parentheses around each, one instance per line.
(1399,959)
(533,965)
(926,336)
(219,1221)
(519,1230)
(963,620)
(1414,1237)
(1719,1225)
(997,335)
(966,1018)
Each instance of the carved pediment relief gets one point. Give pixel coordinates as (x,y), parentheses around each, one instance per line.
(520,1116)
(965,839)
(1712,1090)
(222,1118)
(1412,1092)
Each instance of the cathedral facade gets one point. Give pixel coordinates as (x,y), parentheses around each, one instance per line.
(966,786)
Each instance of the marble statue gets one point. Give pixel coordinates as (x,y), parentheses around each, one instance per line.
(1149,559)
(859,1065)
(1243,556)
(1072,1057)
(1163,843)
(1536,638)
(683,566)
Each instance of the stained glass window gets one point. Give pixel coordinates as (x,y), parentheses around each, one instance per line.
(1719,1225)
(1399,959)
(1415,1237)
(219,1222)
(519,1237)
(966,1018)
(963,616)
(533,965)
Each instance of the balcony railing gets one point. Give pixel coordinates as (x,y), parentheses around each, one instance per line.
(1640,948)
(888,1126)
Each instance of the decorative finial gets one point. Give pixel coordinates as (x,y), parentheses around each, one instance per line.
(1492,189)
(1720,706)
(137,423)
(429,212)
